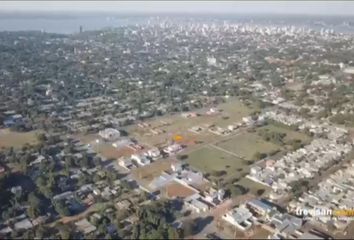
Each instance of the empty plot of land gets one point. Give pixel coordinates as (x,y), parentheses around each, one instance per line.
(17,139)
(149,172)
(209,160)
(110,152)
(260,233)
(254,187)
(176,189)
(290,134)
(105,148)
(231,112)
(87,138)
(246,145)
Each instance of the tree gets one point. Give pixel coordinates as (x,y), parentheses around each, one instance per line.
(182,157)
(172,233)
(260,192)
(34,200)
(64,231)
(33,212)
(136,231)
(61,208)
(259,155)
(41,137)
(41,232)
(217,173)
(236,190)
(29,234)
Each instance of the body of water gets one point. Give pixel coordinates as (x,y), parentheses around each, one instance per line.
(72,24)
(66,26)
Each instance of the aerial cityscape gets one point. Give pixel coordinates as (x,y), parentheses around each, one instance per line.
(173,126)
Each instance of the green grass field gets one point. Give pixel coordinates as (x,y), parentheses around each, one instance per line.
(246,145)
(208,160)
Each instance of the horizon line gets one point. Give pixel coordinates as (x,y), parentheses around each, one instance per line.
(137,12)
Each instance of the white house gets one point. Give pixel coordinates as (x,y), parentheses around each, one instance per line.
(153,153)
(110,134)
(240,217)
(196,205)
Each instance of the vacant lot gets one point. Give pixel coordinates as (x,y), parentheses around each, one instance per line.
(290,134)
(16,139)
(254,187)
(87,138)
(209,160)
(246,145)
(176,189)
(149,172)
(231,112)
(261,233)
(105,148)
(110,152)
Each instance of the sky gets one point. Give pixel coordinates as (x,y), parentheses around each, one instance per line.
(268,7)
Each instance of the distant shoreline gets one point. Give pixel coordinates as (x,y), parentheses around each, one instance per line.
(69,22)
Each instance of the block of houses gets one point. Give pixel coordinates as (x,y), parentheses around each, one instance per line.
(286,225)
(172,149)
(141,159)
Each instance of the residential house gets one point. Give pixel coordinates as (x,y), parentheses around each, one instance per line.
(239,217)
(196,204)
(259,207)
